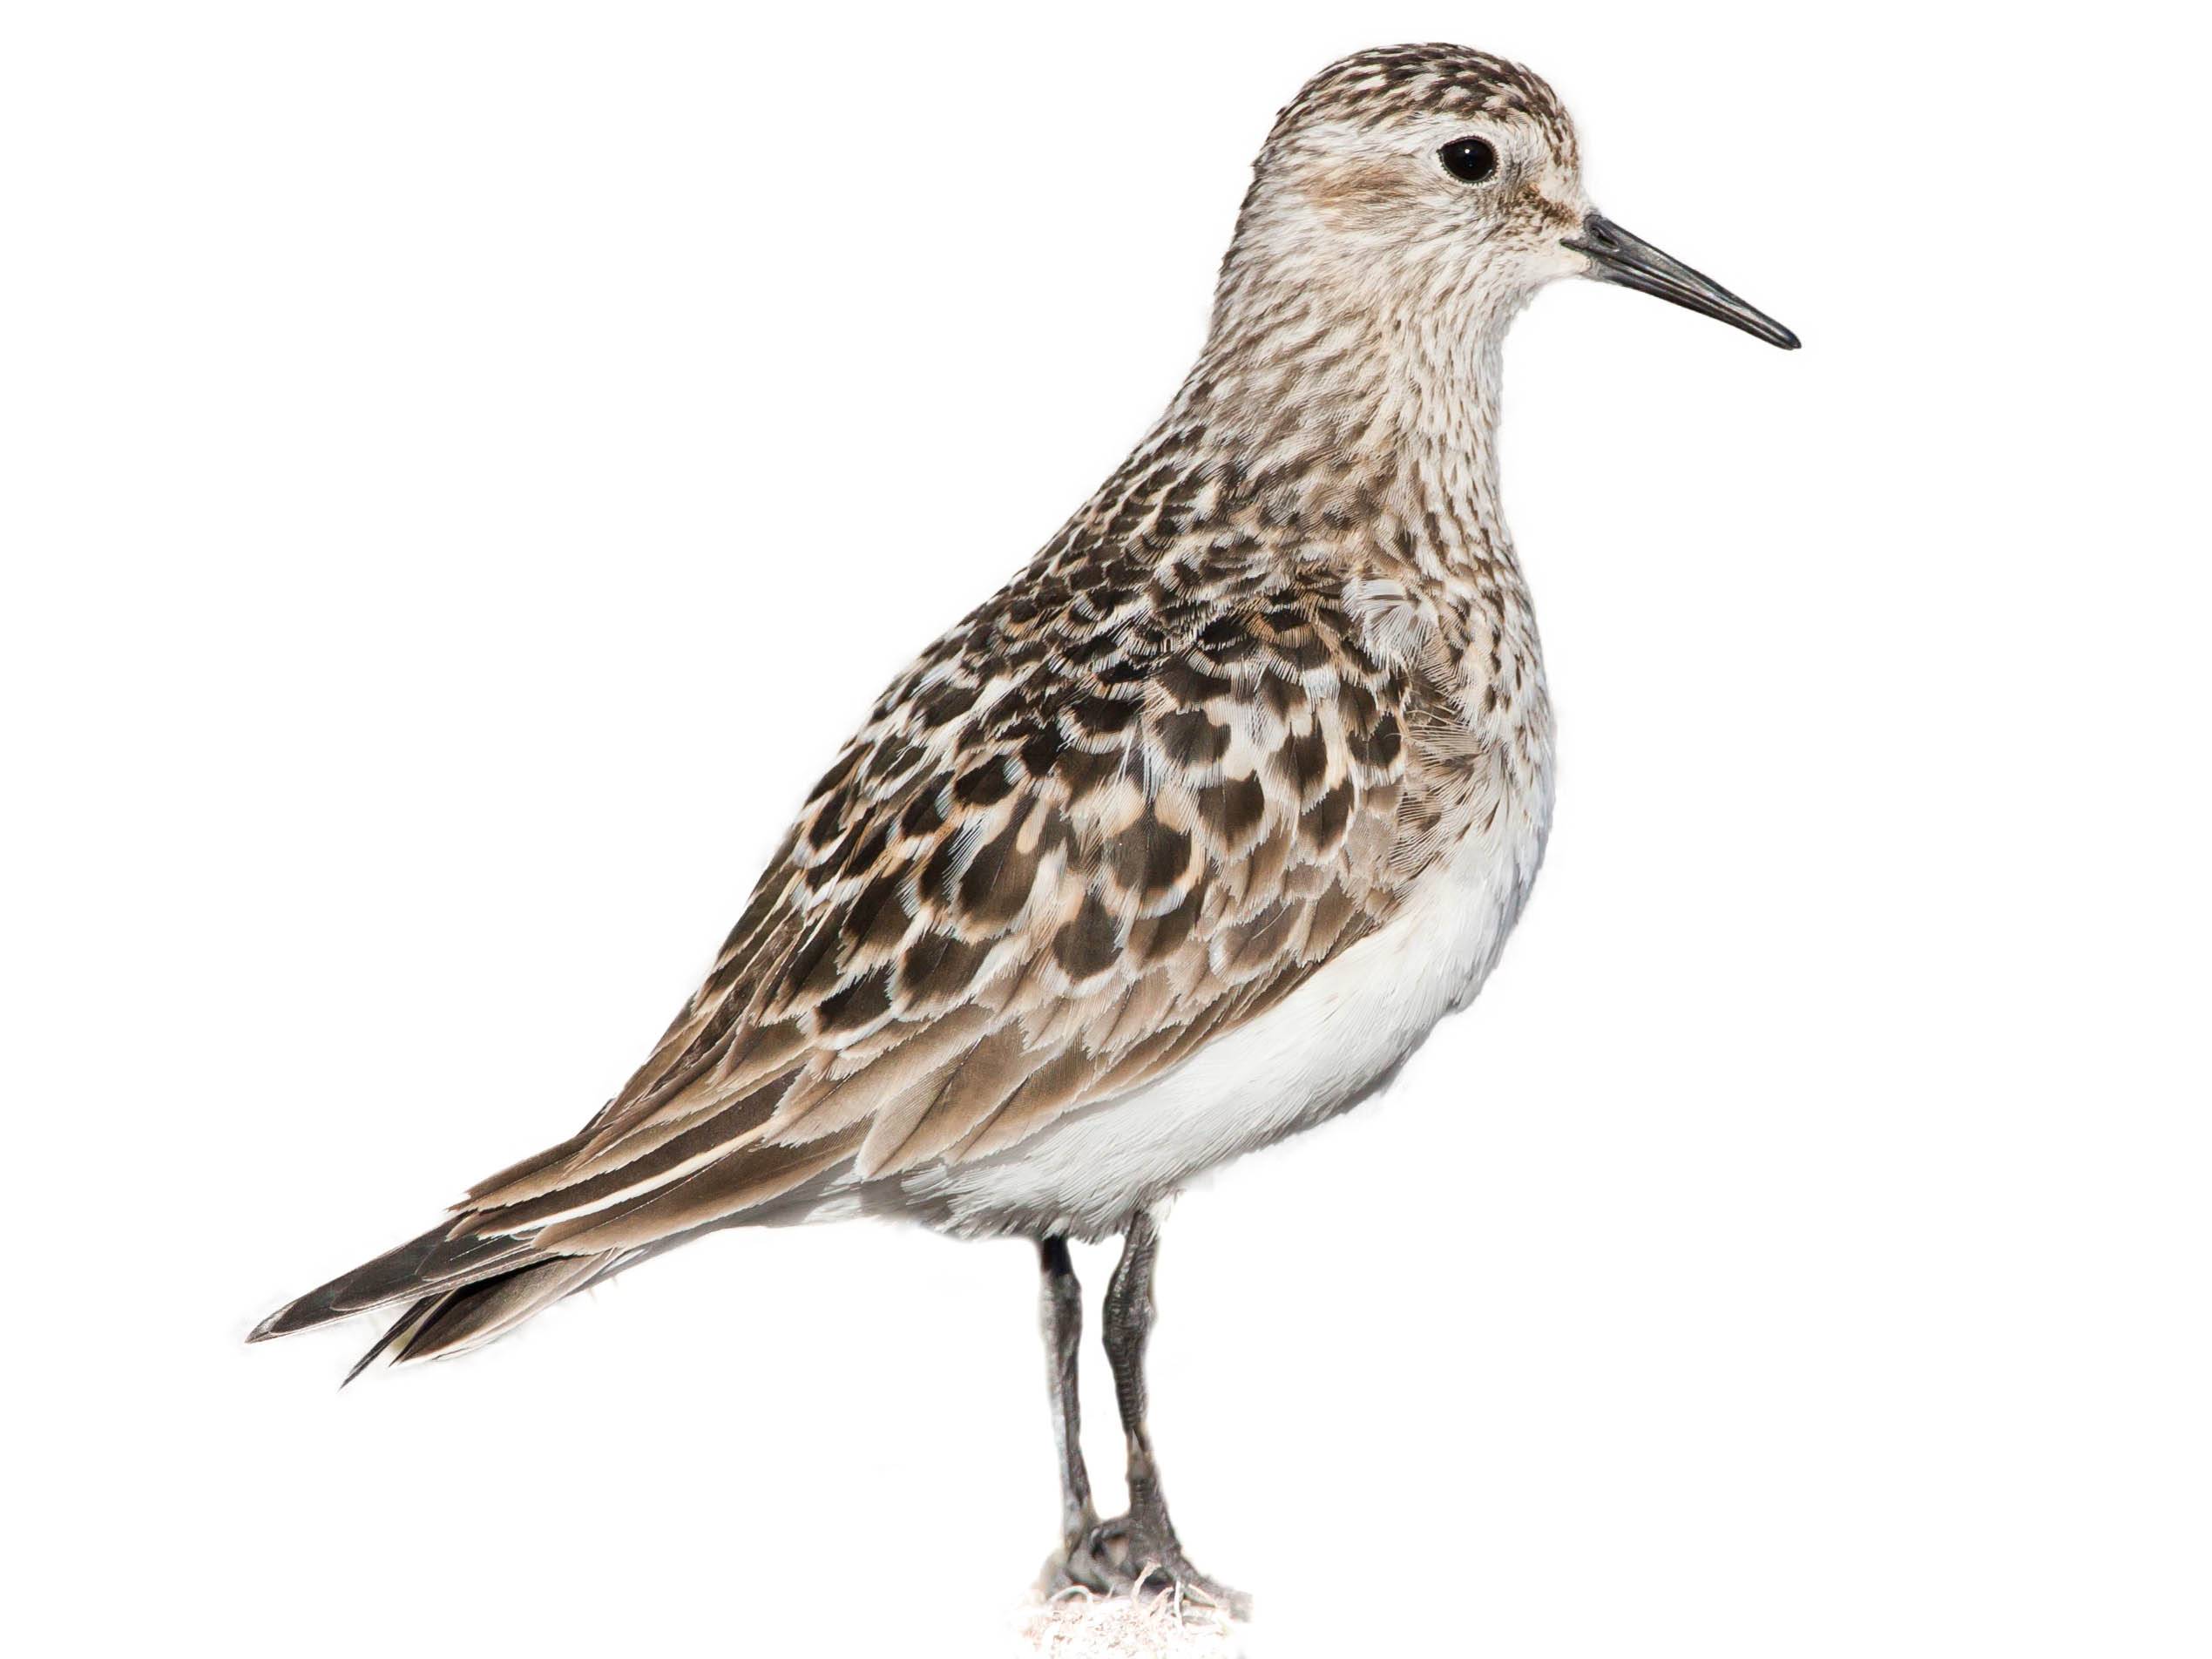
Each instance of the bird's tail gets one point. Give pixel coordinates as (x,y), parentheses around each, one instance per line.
(455,1321)
(462,1288)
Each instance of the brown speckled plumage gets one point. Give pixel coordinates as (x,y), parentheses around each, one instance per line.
(1135,797)
(1212,736)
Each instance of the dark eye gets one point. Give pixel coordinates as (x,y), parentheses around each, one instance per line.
(1473,159)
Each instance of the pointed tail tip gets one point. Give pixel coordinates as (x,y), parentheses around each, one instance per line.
(361,1365)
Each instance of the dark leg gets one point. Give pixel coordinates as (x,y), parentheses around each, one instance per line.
(1063,1315)
(1128,1328)
(1138,1549)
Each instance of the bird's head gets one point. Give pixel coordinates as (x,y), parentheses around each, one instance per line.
(1437,187)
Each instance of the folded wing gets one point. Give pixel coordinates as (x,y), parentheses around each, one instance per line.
(1090,831)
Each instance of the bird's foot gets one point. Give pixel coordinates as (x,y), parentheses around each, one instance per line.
(1141,1558)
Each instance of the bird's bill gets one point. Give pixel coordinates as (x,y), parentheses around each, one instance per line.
(1627,259)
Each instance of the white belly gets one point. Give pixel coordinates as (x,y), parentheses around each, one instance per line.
(1319,1051)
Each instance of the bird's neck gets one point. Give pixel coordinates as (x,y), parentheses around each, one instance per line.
(1363,428)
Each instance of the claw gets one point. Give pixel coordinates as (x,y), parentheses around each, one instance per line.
(1119,1556)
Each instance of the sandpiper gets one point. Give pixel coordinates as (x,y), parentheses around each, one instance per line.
(1179,843)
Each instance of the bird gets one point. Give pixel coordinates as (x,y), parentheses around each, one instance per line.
(1178,843)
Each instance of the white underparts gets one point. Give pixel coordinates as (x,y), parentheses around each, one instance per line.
(1318,1051)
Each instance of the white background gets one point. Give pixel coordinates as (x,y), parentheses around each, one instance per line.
(465,466)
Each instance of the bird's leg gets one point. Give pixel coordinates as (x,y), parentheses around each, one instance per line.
(1063,1319)
(1140,1551)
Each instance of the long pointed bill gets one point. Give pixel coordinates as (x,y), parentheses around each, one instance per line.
(1622,257)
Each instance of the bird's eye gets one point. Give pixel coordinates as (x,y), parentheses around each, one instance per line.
(1473,159)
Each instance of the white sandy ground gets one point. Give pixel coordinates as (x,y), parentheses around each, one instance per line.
(1078,1625)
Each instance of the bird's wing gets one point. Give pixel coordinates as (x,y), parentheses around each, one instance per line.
(1089,831)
